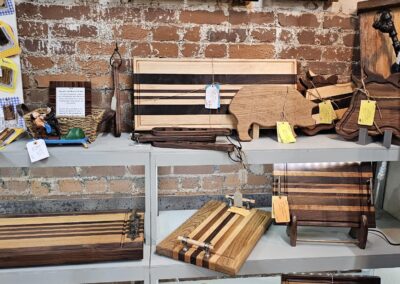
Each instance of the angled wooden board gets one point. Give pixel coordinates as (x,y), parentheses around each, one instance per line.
(327,194)
(232,235)
(35,240)
(170,92)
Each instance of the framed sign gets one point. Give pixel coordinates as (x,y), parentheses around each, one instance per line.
(71,99)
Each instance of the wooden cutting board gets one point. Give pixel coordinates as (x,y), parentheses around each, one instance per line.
(329,278)
(35,240)
(264,105)
(232,235)
(170,92)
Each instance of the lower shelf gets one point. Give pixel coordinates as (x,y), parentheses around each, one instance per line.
(273,254)
(83,273)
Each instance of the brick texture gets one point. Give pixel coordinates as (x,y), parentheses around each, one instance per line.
(73,40)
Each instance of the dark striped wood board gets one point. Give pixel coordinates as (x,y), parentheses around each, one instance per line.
(328,195)
(232,236)
(329,278)
(37,240)
(171,92)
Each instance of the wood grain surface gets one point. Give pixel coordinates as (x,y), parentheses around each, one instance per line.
(377,53)
(386,92)
(265,105)
(332,194)
(171,92)
(232,235)
(68,239)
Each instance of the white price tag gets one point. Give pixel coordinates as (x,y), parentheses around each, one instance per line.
(37,150)
(212,97)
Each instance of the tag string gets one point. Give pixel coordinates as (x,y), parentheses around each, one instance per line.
(320,97)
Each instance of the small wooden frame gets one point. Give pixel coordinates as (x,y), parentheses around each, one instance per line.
(328,278)
(57,239)
(328,195)
(69,84)
(215,238)
(171,92)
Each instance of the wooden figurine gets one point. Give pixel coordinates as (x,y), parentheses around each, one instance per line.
(265,105)
(337,195)
(216,237)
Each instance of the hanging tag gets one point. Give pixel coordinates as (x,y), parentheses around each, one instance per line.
(326,112)
(285,132)
(1,72)
(212,97)
(367,112)
(37,150)
(280,209)
(241,211)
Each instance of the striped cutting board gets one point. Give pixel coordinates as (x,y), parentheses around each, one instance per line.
(170,92)
(232,235)
(327,194)
(68,239)
(329,278)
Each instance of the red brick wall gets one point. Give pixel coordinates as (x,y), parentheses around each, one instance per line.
(74,41)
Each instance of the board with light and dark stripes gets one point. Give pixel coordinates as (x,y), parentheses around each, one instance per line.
(68,239)
(329,278)
(171,92)
(327,194)
(232,235)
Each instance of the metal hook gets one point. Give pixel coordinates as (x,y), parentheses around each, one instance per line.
(116,53)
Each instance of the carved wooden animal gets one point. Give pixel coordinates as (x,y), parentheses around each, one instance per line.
(265,105)
(386,92)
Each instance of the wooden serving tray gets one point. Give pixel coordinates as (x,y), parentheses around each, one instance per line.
(171,92)
(232,235)
(35,240)
(329,278)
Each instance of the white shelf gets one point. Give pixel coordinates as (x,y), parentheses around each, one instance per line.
(82,273)
(273,253)
(105,151)
(266,150)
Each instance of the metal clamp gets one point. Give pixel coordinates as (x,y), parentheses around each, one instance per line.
(247,203)
(133,227)
(186,242)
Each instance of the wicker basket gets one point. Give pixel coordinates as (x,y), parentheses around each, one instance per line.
(89,124)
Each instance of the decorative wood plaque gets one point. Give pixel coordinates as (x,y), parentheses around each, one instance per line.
(35,240)
(171,92)
(67,84)
(233,237)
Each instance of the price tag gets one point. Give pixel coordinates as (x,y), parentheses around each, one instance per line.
(280,209)
(285,132)
(367,112)
(326,112)
(37,150)
(212,97)
(240,211)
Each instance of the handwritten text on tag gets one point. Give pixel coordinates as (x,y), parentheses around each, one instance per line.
(37,150)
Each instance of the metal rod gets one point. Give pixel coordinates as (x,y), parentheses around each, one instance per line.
(326,241)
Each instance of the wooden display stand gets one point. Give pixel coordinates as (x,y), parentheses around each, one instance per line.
(216,238)
(70,239)
(328,196)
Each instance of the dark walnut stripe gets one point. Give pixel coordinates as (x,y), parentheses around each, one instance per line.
(233,79)
(309,180)
(208,239)
(78,234)
(178,110)
(179,97)
(63,224)
(187,91)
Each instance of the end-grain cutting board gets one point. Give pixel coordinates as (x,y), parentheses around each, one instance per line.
(69,239)
(171,92)
(232,235)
